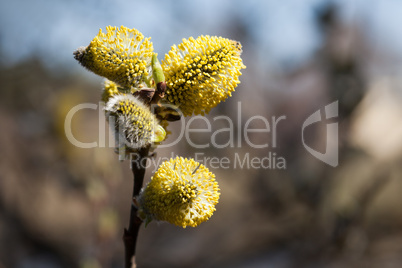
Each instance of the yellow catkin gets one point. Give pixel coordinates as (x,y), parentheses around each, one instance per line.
(110,89)
(182,192)
(122,55)
(135,125)
(202,72)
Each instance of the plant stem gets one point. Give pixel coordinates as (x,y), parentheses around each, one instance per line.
(131,233)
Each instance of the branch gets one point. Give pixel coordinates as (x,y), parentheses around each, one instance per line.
(131,233)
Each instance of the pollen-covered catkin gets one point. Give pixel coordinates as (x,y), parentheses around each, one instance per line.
(122,55)
(202,72)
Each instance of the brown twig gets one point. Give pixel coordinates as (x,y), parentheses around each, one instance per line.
(138,169)
(131,233)
(159,93)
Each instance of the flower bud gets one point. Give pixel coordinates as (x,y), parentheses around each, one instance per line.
(135,125)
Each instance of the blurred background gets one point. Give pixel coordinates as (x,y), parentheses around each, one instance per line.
(64,206)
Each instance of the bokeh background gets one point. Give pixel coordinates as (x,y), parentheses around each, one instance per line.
(64,206)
